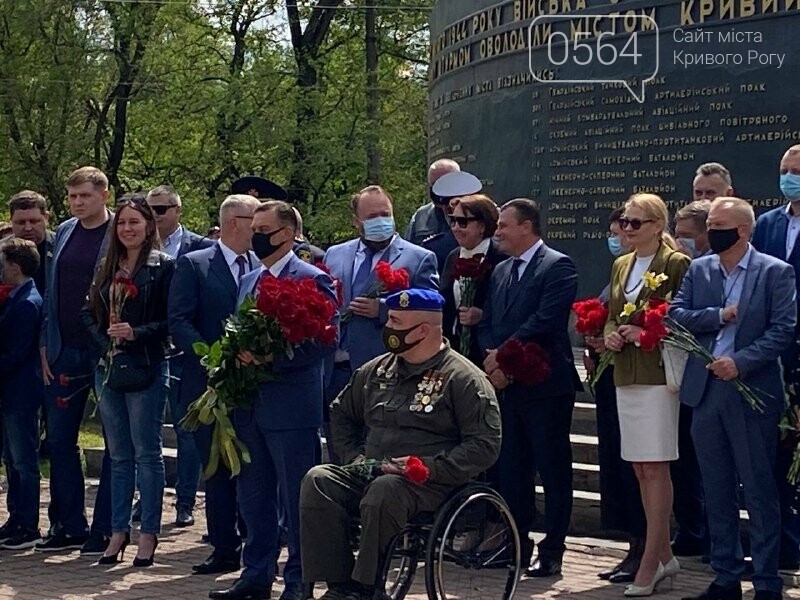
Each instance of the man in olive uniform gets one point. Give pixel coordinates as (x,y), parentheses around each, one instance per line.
(421,399)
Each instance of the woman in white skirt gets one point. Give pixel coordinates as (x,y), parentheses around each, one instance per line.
(648,411)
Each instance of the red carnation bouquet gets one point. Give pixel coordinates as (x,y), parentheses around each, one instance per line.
(121,290)
(414,469)
(283,314)
(523,362)
(592,316)
(387,281)
(468,272)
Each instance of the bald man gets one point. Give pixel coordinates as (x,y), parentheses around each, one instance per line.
(429,227)
(740,304)
(776,234)
(422,399)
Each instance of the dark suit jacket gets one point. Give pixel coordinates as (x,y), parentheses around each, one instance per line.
(190,242)
(20,384)
(202,295)
(450,316)
(536,309)
(764,326)
(294,398)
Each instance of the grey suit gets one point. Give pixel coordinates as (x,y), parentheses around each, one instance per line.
(731,438)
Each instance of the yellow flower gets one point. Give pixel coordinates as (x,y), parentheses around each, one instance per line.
(628,310)
(653,281)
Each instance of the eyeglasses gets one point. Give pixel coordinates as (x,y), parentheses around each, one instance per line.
(635,224)
(161,209)
(462,222)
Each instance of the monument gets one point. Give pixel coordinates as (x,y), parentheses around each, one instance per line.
(580,103)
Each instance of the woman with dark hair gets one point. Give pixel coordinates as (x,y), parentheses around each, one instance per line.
(127,317)
(473,223)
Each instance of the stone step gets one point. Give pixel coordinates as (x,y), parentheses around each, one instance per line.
(584,421)
(168,436)
(584,448)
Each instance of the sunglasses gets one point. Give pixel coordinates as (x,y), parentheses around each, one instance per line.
(462,222)
(161,209)
(635,224)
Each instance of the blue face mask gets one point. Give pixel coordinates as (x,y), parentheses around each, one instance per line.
(378,229)
(790,186)
(615,246)
(691,245)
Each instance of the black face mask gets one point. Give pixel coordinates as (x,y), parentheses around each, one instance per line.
(722,239)
(395,339)
(437,199)
(263,246)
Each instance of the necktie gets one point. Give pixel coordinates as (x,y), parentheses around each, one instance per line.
(362,276)
(514,279)
(241,263)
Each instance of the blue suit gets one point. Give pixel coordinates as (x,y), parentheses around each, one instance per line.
(67,496)
(202,295)
(731,438)
(191,242)
(769,237)
(362,336)
(281,433)
(21,392)
(536,420)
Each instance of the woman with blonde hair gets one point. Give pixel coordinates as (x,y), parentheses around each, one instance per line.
(648,410)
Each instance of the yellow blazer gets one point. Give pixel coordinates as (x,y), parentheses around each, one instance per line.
(632,365)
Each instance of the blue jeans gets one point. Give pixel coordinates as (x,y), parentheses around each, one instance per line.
(132,424)
(21,455)
(188,457)
(64,409)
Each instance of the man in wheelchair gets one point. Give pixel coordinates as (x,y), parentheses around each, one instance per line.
(422,399)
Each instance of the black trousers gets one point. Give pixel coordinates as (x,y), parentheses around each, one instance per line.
(536,439)
(620,500)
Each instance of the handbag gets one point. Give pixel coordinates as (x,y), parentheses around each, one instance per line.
(130,373)
(674,360)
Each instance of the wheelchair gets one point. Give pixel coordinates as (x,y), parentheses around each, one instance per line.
(469,549)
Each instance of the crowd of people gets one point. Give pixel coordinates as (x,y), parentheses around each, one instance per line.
(115,302)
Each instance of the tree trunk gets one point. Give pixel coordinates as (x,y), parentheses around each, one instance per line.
(373,95)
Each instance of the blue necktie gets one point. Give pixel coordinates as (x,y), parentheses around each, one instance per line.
(241,263)
(514,279)
(361,281)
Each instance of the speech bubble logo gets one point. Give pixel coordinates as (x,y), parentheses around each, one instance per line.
(614,48)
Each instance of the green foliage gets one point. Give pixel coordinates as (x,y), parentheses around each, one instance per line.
(198,94)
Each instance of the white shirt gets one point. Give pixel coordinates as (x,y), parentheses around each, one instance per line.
(638,270)
(792,229)
(172,244)
(230,258)
(526,258)
(482,248)
(361,255)
(276,269)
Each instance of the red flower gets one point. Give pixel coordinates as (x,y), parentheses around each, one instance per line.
(131,290)
(63,380)
(62,402)
(392,280)
(525,363)
(592,316)
(416,470)
(471,268)
(322,267)
(652,322)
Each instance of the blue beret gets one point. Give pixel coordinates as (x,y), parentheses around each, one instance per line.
(416,299)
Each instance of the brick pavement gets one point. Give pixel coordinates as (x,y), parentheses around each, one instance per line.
(34,576)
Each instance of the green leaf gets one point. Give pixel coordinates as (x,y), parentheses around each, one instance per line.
(200,348)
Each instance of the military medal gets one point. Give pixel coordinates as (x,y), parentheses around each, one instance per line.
(429,408)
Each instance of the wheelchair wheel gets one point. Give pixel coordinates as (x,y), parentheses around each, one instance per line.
(399,566)
(474,549)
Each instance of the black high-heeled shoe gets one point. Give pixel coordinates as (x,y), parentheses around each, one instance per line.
(113,559)
(146,562)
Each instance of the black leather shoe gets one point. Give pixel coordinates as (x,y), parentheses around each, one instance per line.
(243,590)
(217,564)
(765,595)
(544,567)
(606,575)
(296,591)
(622,577)
(184,517)
(719,592)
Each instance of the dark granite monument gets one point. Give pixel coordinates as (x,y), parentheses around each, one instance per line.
(510,101)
